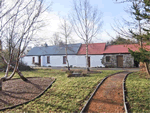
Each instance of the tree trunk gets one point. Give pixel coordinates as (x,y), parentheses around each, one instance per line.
(87,63)
(21,75)
(147,69)
(67,55)
(16,70)
(67,64)
(1,85)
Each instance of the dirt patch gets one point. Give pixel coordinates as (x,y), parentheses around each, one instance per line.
(17,91)
(109,96)
(80,73)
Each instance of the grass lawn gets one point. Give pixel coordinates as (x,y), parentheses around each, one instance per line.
(65,95)
(138,93)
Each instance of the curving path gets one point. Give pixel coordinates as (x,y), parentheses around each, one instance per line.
(109,96)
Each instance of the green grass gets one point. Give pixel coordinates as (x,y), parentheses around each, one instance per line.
(65,95)
(138,93)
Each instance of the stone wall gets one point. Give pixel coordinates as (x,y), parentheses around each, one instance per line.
(128,60)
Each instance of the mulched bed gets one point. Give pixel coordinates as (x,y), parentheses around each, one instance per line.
(16,91)
(109,96)
(80,73)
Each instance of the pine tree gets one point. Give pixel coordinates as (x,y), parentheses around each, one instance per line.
(141,10)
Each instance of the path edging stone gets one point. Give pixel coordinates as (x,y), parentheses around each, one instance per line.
(126,104)
(82,111)
(11,107)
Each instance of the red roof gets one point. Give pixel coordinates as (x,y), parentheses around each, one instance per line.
(123,48)
(93,49)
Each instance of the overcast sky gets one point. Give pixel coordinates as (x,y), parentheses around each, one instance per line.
(111,11)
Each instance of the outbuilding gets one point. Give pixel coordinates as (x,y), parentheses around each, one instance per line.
(119,56)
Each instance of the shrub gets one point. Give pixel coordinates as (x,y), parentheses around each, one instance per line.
(69,71)
(24,67)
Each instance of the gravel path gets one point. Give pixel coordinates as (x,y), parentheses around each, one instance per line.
(109,96)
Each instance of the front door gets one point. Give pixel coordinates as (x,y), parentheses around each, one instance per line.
(89,61)
(120,61)
(39,60)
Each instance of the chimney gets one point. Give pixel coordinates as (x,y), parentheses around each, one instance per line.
(45,45)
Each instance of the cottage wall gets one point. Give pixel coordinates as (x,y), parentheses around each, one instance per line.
(28,60)
(128,60)
(96,60)
(74,60)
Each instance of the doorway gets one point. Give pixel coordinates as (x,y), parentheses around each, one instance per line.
(120,61)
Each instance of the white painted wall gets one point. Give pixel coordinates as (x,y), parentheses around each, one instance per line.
(28,60)
(95,60)
(74,60)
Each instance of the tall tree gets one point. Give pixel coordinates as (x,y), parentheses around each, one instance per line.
(86,21)
(66,30)
(19,21)
(140,10)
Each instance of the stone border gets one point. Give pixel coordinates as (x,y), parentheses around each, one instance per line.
(126,104)
(82,111)
(33,98)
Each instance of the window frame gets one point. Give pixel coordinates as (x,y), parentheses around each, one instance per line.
(48,59)
(64,59)
(108,58)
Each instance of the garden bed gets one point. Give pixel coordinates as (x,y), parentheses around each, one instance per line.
(17,91)
(80,73)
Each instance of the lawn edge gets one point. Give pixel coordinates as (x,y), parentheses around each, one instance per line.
(126,104)
(102,81)
(11,107)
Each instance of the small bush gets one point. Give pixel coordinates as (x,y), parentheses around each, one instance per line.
(69,71)
(24,67)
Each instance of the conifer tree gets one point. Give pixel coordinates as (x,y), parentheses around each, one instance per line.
(141,10)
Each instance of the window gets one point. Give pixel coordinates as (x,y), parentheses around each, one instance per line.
(64,59)
(107,58)
(33,60)
(48,59)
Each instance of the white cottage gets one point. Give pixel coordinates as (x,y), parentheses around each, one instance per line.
(55,55)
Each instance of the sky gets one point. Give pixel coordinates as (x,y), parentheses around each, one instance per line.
(111,12)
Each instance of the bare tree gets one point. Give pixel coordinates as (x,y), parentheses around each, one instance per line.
(86,22)
(66,30)
(19,21)
(56,39)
